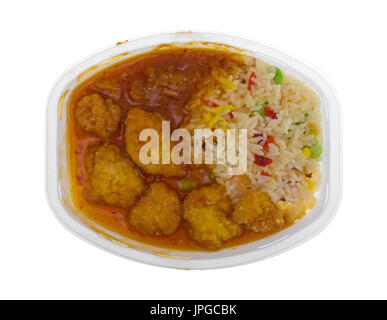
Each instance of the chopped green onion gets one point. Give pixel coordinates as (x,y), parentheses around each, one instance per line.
(278,77)
(306,114)
(186,185)
(289,134)
(298,123)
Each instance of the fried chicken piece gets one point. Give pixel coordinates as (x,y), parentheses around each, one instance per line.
(256,212)
(97,115)
(112,179)
(137,120)
(157,212)
(206,211)
(109,87)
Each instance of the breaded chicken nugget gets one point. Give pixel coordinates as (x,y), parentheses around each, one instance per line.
(112,179)
(137,120)
(109,87)
(97,115)
(256,212)
(206,211)
(157,212)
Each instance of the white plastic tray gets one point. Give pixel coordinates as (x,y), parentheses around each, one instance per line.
(57,179)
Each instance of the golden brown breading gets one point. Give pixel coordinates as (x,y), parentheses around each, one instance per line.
(206,211)
(137,120)
(97,115)
(256,212)
(157,212)
(109,87)
(112,178)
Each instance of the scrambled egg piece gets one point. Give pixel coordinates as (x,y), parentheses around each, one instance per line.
(206,211)
(112,179)
(256,212)
(137,120)
(157,212)
(97,115)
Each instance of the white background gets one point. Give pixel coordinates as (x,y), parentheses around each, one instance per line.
(344,39)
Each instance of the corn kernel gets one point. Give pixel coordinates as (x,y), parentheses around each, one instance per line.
(313,129)
(306,152)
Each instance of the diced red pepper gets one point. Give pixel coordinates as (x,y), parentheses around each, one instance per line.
(251,82)
(231,115)
(270,113)
(262,161)
(270,139)
(206,102)
(264,173)
(256,135)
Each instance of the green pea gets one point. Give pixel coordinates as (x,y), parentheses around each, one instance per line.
(316,151)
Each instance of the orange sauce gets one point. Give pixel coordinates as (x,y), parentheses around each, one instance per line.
(194,63)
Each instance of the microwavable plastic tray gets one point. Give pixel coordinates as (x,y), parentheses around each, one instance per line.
(57,169)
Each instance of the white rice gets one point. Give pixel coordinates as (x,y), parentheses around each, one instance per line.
(298,124)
